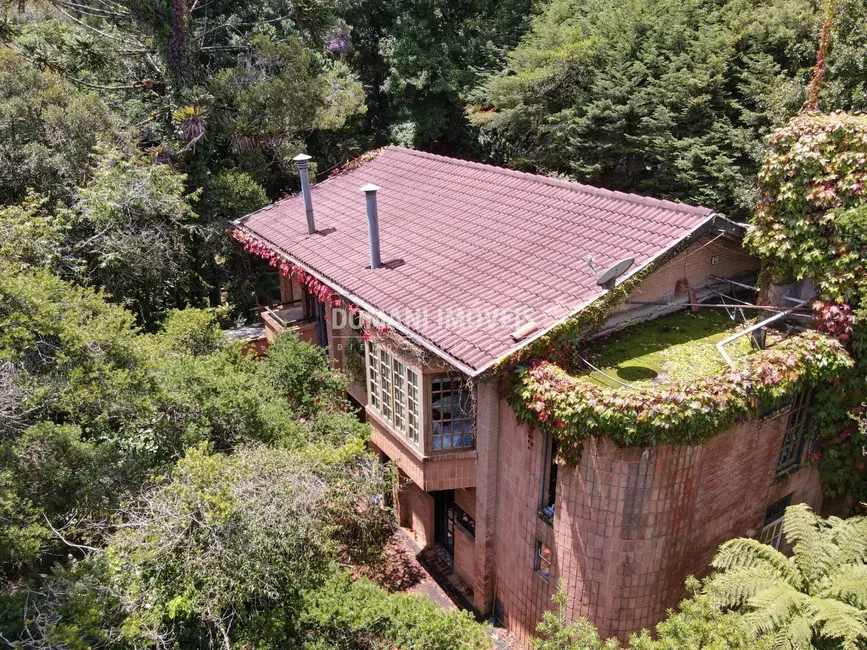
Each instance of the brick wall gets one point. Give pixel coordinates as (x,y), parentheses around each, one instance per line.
(621,528)
(445,471)
(464,554)
(522,594)
(695,265)
(737,484)
(415,511)
(692,269)
(466,501)
(631,523)
(488,413)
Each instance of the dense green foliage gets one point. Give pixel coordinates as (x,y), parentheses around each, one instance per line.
(812,219)
(811,224)
(815,598)
(359,615)
(147,127)
(164,488)
(666,98)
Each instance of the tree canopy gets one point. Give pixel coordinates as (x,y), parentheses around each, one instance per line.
(159,487)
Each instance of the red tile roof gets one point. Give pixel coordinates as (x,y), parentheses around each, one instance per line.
(473,239)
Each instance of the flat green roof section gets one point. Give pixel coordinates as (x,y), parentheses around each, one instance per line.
(680,347)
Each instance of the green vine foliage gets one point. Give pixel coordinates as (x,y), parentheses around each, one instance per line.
(545,395)
(811,224)
(353,353)
(812,219)
(574,408)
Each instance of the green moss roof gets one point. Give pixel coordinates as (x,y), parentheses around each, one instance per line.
(676,348)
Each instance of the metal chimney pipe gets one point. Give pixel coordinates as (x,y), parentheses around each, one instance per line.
(372,224)
(301,161)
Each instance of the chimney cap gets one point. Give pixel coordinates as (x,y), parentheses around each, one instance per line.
(370,187)
(302,157)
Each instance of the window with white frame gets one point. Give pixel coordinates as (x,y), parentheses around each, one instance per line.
(772,531)
(451,414)
(393,391)
(413,397)
(373,375)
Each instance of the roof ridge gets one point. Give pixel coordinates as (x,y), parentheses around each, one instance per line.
(559,182)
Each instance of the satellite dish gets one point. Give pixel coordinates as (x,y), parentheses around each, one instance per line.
(608,277)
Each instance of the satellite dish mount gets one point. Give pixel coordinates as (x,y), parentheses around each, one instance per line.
(609,276)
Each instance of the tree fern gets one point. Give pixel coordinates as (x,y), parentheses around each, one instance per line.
(745,553)
(850,536)
(737,586)
(818,595)
(849,584)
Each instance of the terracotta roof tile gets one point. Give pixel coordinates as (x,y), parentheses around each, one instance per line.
(471,236)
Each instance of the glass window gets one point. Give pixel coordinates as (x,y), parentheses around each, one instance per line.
(373,375)
(393,391)
(385,377)
(412,400)
(543,561)
(772,531)
(549,480)
(398,380)
(465,520)
(451,414)
(793,440)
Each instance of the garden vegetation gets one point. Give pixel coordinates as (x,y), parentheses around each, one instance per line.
(159,488)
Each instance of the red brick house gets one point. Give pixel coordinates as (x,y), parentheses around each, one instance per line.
(456,267)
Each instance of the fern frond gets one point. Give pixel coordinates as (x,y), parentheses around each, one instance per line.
(800,522)
(848,584)
(745,553)
(850,536)
(773,607)
(798,635)
(812,549)
(735,587)
(838,620)
(814,555)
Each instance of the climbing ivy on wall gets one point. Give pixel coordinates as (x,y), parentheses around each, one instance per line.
(811,223)
(258,247)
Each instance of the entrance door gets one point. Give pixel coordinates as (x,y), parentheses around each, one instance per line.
(444,519)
